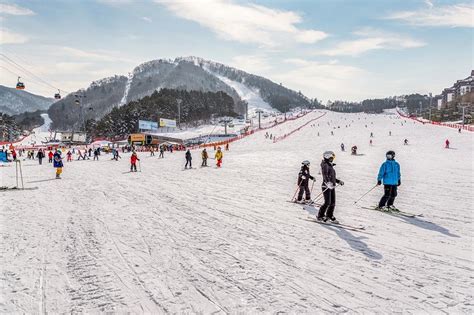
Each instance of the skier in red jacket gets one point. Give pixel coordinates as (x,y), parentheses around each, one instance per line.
(133,162)
(447,144)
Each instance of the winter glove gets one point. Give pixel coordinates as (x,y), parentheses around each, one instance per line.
(379,182)
(329,185)
(399,182)
(340,182)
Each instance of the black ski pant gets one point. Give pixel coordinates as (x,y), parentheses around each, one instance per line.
(327,209)
(161,155)
(40,161)
(188,162)
(133,167)
(390,192)
(304,189)
(204,162)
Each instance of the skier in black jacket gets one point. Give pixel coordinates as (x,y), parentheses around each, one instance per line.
(303,179)
(326,212)
(188,159)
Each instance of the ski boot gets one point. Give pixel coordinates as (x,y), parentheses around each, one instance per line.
(332,220)
(392,209)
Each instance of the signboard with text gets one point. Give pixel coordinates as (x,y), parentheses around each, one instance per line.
(147,125)
(167,123)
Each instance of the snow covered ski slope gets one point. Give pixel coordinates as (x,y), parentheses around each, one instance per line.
(226,241)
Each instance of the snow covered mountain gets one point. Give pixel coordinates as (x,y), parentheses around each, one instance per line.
(187,73)
(14,101)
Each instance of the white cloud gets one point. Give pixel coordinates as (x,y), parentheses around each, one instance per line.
(246,23)
(456,15)
(324,80)
(146,19)
(101,55)
(14,9)
(372,40)
(9,37)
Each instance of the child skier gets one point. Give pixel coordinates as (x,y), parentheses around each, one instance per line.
(69,156)
(133,162)
(204,156)
(58,163)
(326,212)
(389,174)
(218,156)
(303,182)
(50,157)
(189,159)
(446,144)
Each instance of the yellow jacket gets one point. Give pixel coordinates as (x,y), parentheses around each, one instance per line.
(219,155)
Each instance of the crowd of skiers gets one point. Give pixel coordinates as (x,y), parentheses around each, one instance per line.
(389,175)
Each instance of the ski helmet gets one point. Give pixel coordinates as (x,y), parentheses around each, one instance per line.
(390,155)
(328,155)
(305,162)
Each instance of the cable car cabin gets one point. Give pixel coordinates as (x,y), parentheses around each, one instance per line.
(143,139)
(57,95)
(19,84)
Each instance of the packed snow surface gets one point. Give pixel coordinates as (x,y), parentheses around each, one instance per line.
(225,240)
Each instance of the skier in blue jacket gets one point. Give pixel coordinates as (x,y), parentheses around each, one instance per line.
(389,174)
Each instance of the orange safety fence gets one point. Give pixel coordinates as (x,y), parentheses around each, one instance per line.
(450,125)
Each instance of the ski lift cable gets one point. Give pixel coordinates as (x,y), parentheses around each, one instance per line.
(28,76)
(20,67)
(31,73)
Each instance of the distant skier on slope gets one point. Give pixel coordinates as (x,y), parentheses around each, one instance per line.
(189,159)
(354,150)
(162,151)
(133,161)
(58,163)
(218,156)
(447,144)
(40,156)
(204,157)
(390,176)
(342,147)
(50,156)
(303,182)
(326,212)
(405,142)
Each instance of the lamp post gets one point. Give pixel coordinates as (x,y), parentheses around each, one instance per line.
(179,101)
(259,112)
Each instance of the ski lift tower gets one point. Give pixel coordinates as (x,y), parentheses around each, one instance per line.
(259,112)
(79,101)
(226,121)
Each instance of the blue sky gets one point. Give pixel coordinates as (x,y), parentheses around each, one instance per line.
(329,49)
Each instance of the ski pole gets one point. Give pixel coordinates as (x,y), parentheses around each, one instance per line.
(355,202)
(297,188)
(21,176)
(139,166)
(318,196)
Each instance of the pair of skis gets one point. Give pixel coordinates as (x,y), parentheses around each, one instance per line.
(394,212)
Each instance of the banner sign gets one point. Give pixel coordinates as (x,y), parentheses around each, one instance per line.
(147,125)
(167,123)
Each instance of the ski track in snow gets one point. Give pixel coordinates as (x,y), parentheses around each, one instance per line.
(225,241)
(123,101)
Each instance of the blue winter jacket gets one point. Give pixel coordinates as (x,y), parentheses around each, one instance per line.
(389,172)
(57,162)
